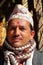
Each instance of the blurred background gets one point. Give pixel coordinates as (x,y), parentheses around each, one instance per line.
(34,6)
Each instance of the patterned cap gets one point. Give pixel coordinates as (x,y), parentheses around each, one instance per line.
(22,12)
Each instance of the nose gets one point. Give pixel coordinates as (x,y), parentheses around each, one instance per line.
(17,32)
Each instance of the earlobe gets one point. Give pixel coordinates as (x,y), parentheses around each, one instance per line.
(32,33)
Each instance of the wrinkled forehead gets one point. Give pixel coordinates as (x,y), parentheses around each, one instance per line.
(17,21)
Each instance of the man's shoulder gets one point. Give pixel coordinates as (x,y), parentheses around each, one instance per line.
(37,58)
(37,52)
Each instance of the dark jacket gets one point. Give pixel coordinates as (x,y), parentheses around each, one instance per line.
(1,57)
(38,58)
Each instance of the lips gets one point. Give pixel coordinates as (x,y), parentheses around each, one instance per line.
(17,39)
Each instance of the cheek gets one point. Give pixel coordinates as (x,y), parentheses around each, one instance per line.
(26,36)
(9,34)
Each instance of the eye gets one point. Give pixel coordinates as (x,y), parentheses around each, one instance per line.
(12,28)
(22,28)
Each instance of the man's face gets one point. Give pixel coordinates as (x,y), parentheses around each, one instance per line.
(19,32)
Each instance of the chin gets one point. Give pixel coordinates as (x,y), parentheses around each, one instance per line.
(17,44)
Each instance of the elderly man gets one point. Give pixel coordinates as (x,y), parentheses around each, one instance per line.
(19,46)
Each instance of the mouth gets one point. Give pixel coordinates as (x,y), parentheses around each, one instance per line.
(17,39)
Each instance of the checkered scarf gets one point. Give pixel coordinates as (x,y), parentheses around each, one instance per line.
(16,56)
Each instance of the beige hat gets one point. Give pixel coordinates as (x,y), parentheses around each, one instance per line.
(22,12)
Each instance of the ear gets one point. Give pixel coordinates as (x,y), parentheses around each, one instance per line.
(32,34)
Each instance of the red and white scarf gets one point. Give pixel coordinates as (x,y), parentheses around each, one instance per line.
(17,56)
